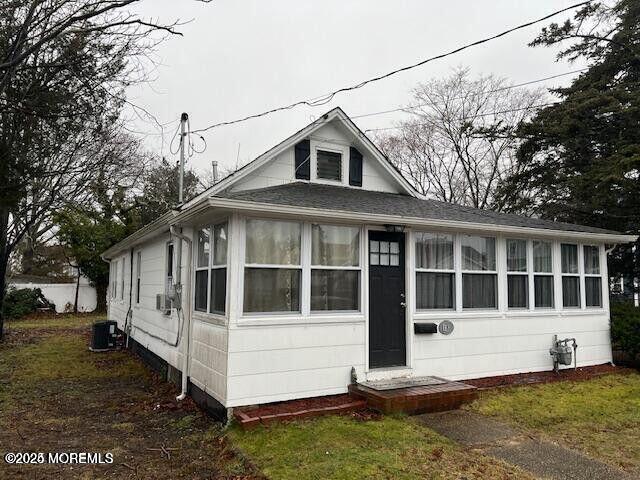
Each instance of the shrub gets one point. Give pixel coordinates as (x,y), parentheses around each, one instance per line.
(625,327)
(19,302)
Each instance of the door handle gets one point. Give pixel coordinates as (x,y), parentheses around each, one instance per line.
(403,304)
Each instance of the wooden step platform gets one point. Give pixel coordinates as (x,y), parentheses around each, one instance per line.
(447,395)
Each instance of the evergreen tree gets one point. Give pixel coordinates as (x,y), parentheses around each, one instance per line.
(580,158)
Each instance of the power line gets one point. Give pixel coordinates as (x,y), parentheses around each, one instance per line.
(323,100)
(509,87)
(487,114)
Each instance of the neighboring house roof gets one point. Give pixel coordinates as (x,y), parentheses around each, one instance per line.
(335,198)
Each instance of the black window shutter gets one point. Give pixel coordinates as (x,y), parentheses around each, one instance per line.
(303,160)
(355,167)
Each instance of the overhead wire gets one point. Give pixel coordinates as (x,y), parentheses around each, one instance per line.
(324,99)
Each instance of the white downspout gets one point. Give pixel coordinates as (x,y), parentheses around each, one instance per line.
(186,312)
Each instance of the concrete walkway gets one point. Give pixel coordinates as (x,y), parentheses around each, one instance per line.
(542,458)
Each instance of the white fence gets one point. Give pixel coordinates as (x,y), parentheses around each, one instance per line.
(64,294)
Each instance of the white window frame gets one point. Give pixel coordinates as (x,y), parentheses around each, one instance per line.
(138,275)
(122,280)
(579,275)
(312,267)
(523,273)
(533,274)
(593,275)
(343,150)
(114,279)
(496,246)
(455,271)
(304,314)
(210,267)
(169,275)
(299,267)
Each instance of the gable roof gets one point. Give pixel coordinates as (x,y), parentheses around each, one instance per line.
(401,207)
(334,115)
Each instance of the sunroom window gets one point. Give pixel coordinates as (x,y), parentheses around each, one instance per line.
(517,275)
(329,165)
(272,266)
(570,276)
(543,274)
(479,276)
(335,268)
(592,278)
(211,270)
(435,275)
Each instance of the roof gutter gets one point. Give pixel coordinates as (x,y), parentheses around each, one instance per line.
(244,205)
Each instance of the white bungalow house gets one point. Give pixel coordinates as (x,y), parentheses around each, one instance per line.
(319,256)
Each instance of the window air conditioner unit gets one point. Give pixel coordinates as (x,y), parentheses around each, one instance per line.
(164,303)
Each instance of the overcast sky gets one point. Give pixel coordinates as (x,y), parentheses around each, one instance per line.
(239,57)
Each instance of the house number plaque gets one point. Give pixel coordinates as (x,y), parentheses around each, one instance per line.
(445,327)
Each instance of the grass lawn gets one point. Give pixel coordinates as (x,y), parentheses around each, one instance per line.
(344,447)
(600,417)
(56,396)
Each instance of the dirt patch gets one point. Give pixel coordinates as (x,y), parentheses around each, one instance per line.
(102,403)
(582,373)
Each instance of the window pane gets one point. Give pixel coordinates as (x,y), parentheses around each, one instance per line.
(220,244)
(203,247)
(593,291)
(478,253)
(375,259)
(543,291)
(516,255)
(434,290)
(202,277)
(384,259)
(384,247)
(571,291)
(276,243)
(271,290)
(329,165)
(591,259)
(518,294)
(374,246)
(569,258)
(542,257)
(434,251)
(479,290)
(335,290)
(218,290)
(335,246)
(394,259)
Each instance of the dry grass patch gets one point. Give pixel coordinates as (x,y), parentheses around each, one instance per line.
(57,396)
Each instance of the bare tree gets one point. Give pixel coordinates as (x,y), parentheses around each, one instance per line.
(459,143)
(64,67)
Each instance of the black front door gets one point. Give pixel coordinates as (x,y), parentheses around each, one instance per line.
(387,339)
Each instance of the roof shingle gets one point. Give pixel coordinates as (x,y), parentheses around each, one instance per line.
(327,197)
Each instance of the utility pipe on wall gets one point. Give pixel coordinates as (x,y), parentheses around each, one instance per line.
(185,312)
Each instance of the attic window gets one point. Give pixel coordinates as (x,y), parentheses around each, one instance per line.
(329,165)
